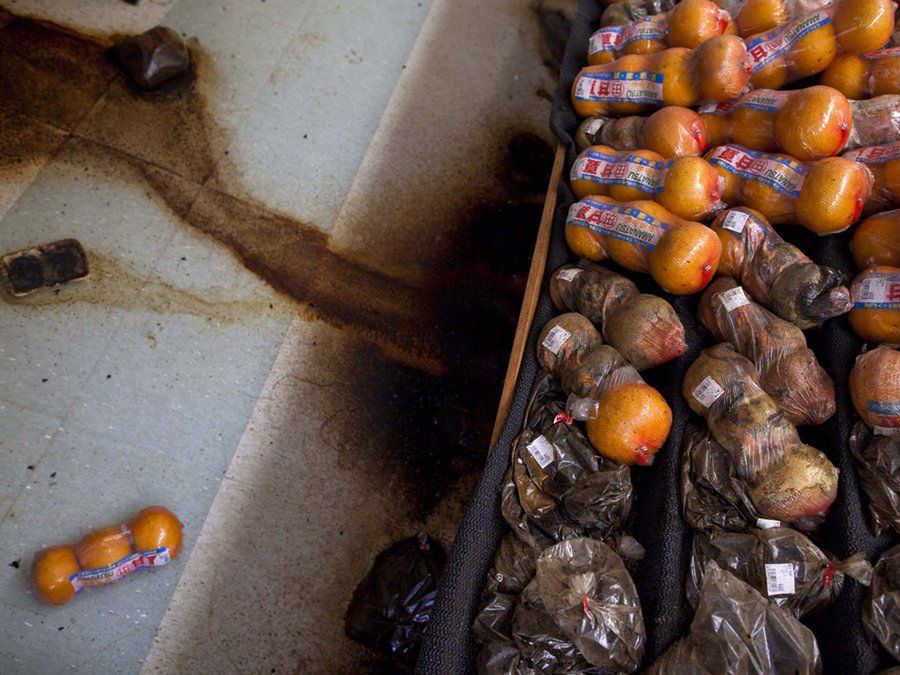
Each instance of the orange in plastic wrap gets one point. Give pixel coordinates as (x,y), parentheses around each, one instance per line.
(51,571)
(716,70)
(689,24)
(155,527)
(875,316)
(809,43)
(876,240)
(825,196)
(758,16)
(813,123)
(150,539)
(860,76)
(631,424)
(642,236)
(669,132)
(103,547)
(686,186)
(883,161)
(875,389)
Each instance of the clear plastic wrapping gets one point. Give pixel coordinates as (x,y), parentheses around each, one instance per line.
(629,11)
(776,274)
(825,197)
(878,466)
(670,132)
(688,187)
(875,316)
(627,420)
(860,76)
(883,161)
(713,496)
(876,121)
(642,236)
(807,124)
(875,389)
(876,241)
(580,610)
(808,43)
(780,563)
(643,328)
(757,16)
(881,606)
(688,24)
(789,481)
(736,630)
(717,70)
(788,369)
(557,487)
(151,539)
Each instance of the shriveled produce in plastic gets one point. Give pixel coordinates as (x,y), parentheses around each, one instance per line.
(776,274)
(713,496)
(629,11)
(580,610)
(642,236)
(788,369)
(627,420)
(789,481)
(807,124)
(644,328)
(875,316)
(687,186)
(513,569)
(557,487)
(883,161)
(861,76)
(876,121)
(736,630)
(780,563)
(878,466)
(689,24)
(673,131)
(825,197)
(881,606)
(876,240)
(875,388)
(717,70)
(807,44)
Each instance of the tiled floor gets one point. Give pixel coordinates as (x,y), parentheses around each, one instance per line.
(174,375)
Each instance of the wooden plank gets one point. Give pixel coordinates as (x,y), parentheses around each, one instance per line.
(532,293)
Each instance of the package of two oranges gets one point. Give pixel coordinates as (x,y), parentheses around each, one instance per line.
(151,539)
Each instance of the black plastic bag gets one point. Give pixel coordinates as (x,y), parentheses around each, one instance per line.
(153,57)
(878,465)
(391,606)
(736,630)
(781,564)
(714,497)
(881,607)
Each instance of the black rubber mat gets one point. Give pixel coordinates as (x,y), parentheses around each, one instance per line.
(658,523)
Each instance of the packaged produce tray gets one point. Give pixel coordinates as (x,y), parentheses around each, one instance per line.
(657,522)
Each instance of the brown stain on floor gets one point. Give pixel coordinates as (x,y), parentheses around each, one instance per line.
(439,345)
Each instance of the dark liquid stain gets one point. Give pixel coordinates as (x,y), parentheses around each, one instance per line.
(440,347)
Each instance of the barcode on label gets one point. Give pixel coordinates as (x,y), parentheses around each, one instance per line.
(542,451)
(708,392)
(886,431)
(767,523)
(733,298)
(780,579)
(556,338)
(569,274)
(735,221)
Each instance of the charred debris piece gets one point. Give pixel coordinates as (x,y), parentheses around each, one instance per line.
(32,269)
(154,57)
